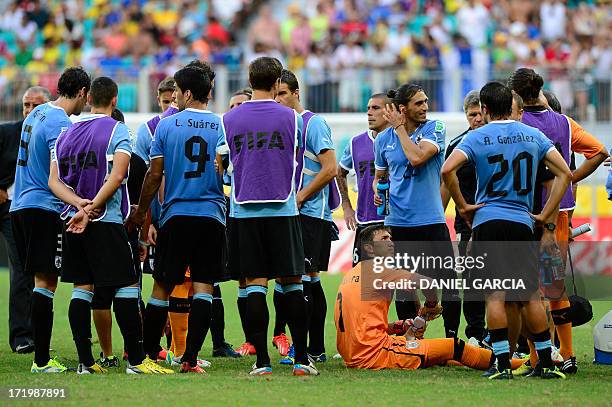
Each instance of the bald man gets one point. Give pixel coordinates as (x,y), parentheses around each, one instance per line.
(21,285)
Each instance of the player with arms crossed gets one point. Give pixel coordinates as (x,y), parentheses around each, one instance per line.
(192,219)
(503,201)
(266,240)
(35,211)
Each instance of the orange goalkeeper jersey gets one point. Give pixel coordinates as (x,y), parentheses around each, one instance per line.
(361,325)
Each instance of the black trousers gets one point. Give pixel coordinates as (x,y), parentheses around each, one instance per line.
(473,303)
(21,286)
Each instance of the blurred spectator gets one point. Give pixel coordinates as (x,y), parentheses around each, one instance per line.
(472,21)
(265,30)
(348,57)
(553,19)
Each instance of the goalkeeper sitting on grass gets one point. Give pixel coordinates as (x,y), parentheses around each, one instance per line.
(364,337)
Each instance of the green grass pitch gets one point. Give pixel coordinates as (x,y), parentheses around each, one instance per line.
(228,383)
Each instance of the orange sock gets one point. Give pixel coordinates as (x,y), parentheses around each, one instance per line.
(560,311)
(179,316)
(476,358)
(533,354)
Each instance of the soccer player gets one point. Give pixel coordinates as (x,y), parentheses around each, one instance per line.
(192,223)
(316,198)
(362,329)
(35,211)
(560,130)
(20,283)
(240,97)
(473,303)
(410,153)
(503,202)
(359,156)
(263,137)
(88,171)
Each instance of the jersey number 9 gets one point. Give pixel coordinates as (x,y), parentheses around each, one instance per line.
(200,158)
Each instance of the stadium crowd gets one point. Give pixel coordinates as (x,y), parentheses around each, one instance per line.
(338,43)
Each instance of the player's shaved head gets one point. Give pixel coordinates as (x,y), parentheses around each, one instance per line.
(103,90)
(264,72)
(381,96)
(527,83)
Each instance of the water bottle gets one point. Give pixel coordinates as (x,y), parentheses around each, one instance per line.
(382,190)
(581,230)
(418,323)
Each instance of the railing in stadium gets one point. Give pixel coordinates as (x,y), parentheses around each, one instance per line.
(583,96)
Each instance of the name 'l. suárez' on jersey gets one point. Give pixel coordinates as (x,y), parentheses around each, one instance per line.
(198,124)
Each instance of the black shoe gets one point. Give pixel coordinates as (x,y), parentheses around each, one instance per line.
(537,371)
(225,351)
(569,366)
(106,362)
(24,348)
(503,375)
(492,370)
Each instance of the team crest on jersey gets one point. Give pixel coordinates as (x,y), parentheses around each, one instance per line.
(418,138)
(412,344)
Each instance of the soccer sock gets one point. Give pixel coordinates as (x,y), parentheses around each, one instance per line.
(126,306)
(296,309)
(451,314)
(155,318)
(79,315)
(501,347)
(541,341)
(217,320)
(199,322)
(280,319)
(257,322)
(241,301)
(178,314)
(317,322)
(472,356)
(560,311)
(307,297)
(42,324)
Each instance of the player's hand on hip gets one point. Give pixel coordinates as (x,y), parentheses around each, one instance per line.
(349,218)
(468,211)
(78,222)
(152,235)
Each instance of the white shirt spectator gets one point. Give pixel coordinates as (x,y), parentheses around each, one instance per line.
(348,58)
(472,21)
(553,19)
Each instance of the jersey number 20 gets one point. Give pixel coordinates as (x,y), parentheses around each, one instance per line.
(200,158)
(517,183)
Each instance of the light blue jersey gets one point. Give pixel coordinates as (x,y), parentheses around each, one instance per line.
(38,134)
(414,192)
(506,155)
(271,209)
(188,142)
(142,147)
(318,139)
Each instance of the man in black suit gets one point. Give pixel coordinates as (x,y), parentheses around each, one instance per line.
(21,285)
